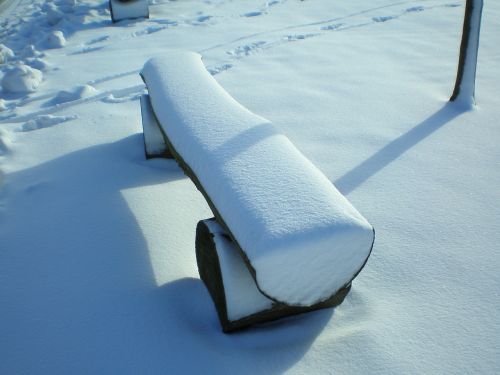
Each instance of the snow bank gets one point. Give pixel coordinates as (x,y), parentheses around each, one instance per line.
(303,239)
(5,53)
(21,79)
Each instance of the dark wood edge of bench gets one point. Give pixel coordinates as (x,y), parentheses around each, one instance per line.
(210,273)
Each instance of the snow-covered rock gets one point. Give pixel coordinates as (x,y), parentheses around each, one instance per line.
(5,54)
(78,92)
(55,39)
(21,79)
(37,63)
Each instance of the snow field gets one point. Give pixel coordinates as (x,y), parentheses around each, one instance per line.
(94,278)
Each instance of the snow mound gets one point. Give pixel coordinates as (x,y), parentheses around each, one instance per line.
(5,53)
(55,39)
(31,51)
(54,16)
(46,121)
(79,92)
(37,63)
(21,79)
(303,239)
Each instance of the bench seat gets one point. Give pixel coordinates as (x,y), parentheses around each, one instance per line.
(300,238)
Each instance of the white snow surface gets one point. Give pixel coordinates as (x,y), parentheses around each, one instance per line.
(97,263)
(304,240)
(243,298)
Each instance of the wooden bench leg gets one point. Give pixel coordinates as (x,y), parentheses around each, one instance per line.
(237,299)
(128,9)
(154,139)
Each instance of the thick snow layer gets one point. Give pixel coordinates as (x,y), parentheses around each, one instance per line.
(21,79)
(97,245)
(304,240)
(243,298)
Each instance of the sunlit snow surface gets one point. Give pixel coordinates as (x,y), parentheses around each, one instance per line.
(97,265)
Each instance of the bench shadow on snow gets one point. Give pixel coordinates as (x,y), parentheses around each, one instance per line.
(81,289)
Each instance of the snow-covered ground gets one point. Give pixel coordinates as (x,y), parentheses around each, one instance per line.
(97,262)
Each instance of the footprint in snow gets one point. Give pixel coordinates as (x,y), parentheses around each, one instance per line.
(219,69)
(45,121)
(272,3)
(246,49)
(164,21)
(292,38)
(253,14)
(97,40)
(418,8)
(332,27)
(203,18)
(86,50)
(383,18)
(148,30)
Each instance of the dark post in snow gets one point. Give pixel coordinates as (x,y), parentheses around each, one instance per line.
(466,75)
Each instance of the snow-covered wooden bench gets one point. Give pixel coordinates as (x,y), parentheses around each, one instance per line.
(127,9)
(284,240)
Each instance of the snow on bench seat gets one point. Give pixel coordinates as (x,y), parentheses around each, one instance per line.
(301,239)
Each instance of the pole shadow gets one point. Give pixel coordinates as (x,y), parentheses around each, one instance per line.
(362,172)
